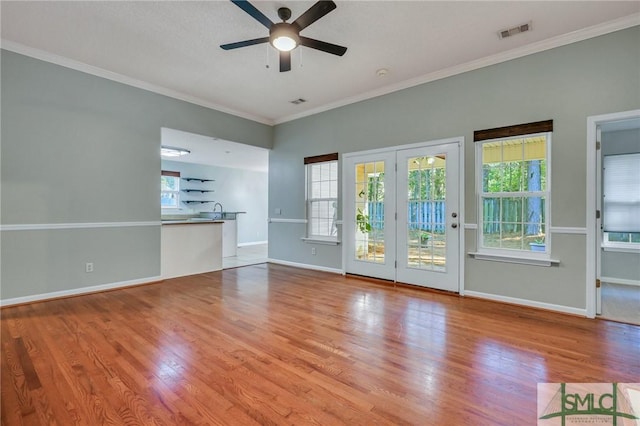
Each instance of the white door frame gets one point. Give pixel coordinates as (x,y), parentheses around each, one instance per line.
(592,237)
(460,141)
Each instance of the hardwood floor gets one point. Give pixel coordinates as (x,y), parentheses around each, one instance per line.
(270,344)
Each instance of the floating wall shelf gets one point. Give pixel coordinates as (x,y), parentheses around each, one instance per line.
(197,201)
(189,179)
(198,190)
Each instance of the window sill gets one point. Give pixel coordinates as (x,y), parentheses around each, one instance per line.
(320,241)
(620,249)
(535,261)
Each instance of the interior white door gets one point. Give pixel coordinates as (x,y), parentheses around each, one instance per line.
(428,226)
(369,218)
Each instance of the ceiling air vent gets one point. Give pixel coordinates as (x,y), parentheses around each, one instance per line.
(298,101)
(515,30)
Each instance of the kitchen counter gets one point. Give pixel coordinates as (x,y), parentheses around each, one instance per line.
(220,215)
(229,228)
(187,249)
(192,221)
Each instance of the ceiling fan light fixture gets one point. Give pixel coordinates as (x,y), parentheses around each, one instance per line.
(284,44)
(283,37)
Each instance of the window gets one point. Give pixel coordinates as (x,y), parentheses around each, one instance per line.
(170,190)
(513,193)
(322,197)
(621,200)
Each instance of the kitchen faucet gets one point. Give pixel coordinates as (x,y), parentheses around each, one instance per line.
(215,206)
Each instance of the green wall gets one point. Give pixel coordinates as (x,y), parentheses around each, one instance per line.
(566,84)
(79,149)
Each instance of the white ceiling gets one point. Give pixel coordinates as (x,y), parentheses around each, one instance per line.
(215,152)
(173,47)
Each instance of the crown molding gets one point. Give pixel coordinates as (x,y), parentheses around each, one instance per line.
(551,43)
(119,78)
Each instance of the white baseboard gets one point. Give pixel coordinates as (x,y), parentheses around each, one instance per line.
(529,303)
(253,243)
(76,291)
(624,281)
(306,266)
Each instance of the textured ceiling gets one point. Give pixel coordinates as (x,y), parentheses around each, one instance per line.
(174,46)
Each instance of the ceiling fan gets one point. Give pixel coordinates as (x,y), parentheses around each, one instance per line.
(285,36)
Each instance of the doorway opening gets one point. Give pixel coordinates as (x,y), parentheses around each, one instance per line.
(613,227)
(220,179)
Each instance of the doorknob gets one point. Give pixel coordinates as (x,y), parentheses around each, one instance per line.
(454,215)
(454,225)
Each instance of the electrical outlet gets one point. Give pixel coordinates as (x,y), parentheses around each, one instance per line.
(88,267)
(278,211)
(313,251)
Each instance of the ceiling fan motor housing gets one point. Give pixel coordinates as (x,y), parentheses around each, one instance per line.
(284,13)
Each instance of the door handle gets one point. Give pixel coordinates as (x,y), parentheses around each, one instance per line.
(454,225)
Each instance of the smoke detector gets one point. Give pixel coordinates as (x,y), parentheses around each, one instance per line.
(509,32)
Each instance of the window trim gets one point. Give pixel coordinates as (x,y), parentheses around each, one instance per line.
(308,162)
(509,254)
(627,247)
(510,132)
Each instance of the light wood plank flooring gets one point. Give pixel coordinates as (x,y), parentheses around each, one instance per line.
(270,344)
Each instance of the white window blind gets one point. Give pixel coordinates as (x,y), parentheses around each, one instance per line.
(621,193)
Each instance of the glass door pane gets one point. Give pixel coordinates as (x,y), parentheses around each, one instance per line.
(426,213)
(369,212)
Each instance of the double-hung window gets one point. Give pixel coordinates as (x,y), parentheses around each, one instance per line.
(322,197)
(170,189)
(621,201)
(513,188)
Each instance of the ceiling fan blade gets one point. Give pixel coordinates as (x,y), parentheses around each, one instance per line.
(314,13)
(285,61)
(334,49)
(255,13)
(245,43)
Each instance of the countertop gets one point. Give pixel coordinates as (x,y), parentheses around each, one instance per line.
(192,221)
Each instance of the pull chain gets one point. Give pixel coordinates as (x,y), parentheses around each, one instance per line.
(267,62)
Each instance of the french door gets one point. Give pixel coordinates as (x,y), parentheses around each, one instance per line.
(428,230)
(370,201)
(402,215)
